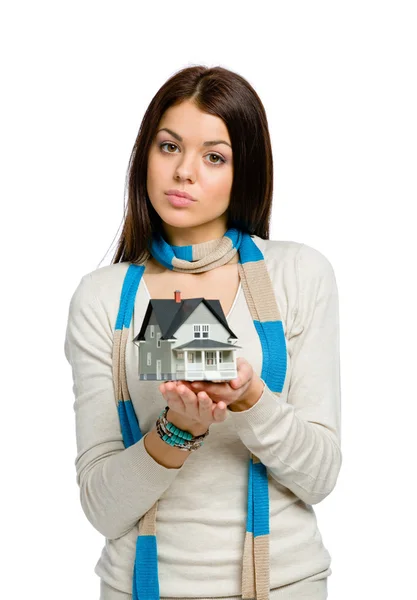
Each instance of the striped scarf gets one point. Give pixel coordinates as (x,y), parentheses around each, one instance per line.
(261,301)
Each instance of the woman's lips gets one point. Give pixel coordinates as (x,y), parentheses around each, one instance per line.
(177,201)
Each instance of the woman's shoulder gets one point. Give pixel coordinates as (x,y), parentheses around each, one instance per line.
(102,285)
(299,272)
(289,255)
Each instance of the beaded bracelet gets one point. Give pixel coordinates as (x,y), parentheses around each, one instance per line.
(175,437)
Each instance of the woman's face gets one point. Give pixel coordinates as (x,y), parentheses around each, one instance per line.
(178,159)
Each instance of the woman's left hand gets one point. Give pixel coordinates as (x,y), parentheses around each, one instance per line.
(248,386)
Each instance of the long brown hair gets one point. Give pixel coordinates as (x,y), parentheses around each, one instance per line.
(219,92)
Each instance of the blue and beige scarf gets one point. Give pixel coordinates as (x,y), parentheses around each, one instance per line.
(260,297)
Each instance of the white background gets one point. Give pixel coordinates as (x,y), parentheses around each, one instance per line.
(338,82)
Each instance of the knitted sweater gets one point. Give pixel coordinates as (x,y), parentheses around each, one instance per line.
(202,505)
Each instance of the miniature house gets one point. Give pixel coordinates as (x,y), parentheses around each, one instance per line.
(186,339)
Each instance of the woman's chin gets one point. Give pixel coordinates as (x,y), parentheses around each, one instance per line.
(180,219)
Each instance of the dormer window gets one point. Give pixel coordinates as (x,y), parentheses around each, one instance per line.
(152,330)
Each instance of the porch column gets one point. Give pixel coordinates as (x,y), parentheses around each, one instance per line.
(217,358)
(185,363)
(203,359)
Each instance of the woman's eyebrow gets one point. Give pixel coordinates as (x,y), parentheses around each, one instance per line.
(179,138)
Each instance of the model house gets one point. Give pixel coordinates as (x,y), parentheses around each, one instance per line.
(186,339)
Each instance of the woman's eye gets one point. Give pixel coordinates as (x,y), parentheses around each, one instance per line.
(217,156)
(167,144)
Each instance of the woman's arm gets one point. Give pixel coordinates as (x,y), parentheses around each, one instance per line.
(118,485)
(299,440)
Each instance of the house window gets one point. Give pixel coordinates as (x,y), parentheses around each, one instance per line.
(158,340)
(180,355)
(210,358)
(197,331)
(149,359)
(220,357)
(152,327)
(191,357)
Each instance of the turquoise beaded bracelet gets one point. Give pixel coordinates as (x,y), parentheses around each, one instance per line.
(175,437)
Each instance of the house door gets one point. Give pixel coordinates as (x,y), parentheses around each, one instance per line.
(158,369)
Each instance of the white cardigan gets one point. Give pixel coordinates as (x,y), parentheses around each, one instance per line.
(202,505)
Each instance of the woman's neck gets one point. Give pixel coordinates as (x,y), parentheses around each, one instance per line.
(193,235)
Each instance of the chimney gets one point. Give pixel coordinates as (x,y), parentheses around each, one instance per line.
(177,296)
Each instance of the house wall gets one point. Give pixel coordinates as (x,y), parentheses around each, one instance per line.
(150,345)
(201,316)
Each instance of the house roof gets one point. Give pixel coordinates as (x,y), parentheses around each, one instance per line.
(170,315)
(205,343)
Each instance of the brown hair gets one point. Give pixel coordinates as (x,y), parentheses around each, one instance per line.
(219,92)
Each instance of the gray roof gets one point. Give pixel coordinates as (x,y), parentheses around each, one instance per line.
(205,343)
(170,315)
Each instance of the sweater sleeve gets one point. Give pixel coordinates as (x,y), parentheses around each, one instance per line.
(299,439)
(118,485)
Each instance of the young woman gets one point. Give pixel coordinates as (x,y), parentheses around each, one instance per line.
(230,516)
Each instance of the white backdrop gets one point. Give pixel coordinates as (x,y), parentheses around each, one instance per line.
(338,81)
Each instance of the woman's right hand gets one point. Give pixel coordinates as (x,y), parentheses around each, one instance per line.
(195,412)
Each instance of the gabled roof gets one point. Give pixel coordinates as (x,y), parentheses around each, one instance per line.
(170,315)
